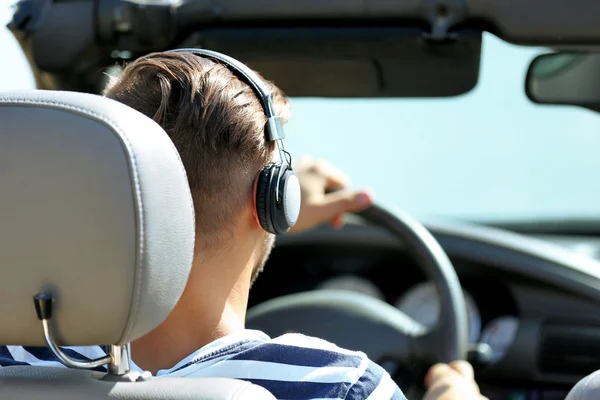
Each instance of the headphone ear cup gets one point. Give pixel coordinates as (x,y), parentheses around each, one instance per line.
(278,198)
(286,203)
(263,198)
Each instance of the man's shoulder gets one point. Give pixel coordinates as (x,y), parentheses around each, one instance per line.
(303,349)
(301,340)
(330,370)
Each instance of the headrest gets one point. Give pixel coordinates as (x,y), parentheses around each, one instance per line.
(95,208)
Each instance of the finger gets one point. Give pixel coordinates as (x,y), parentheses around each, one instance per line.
(443,389)
(463,368)
(437,372)
(338,221)
(335,178)
(344,201)
(333,204)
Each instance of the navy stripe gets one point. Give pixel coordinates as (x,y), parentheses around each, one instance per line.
(43,353)
(7,360)
(367,383)
(303,390)
(301,356)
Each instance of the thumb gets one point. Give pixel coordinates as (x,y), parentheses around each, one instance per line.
(464,368)
(339,202)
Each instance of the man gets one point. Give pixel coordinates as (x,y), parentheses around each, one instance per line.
(217,124)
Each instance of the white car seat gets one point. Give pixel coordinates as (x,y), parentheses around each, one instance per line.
(97,221)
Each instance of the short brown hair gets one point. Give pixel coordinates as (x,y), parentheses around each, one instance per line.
(216,123)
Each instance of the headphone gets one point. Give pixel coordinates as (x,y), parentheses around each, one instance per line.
(277,189)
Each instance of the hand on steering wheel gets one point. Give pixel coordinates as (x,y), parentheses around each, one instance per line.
(454,381)
(323,199)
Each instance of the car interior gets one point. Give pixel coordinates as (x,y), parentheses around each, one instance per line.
(92,209)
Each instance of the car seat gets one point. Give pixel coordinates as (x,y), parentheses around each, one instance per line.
(96,245)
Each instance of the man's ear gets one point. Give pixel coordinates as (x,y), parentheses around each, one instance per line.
(254,209)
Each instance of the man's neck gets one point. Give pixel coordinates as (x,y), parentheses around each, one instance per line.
(213,305)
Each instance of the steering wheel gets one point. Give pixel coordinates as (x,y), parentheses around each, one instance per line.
(359,322)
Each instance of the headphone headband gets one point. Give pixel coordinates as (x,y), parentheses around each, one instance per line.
(278,195)
(274,127)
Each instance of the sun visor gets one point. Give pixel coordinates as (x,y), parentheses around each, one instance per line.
(354,62)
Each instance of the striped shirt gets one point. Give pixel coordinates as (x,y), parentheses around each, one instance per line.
(291,367)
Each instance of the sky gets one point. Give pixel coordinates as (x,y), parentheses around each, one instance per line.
(490,154)
(14,74)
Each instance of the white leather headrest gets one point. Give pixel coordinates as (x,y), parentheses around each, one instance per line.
(95,207)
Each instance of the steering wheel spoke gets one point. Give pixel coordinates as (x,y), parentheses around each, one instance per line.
(350,320)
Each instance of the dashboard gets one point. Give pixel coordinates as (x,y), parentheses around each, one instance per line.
(534,300)
(421,302)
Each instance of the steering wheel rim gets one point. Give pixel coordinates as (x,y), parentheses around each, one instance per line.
(359,322)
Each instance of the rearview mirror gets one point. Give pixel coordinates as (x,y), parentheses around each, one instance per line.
(568,78)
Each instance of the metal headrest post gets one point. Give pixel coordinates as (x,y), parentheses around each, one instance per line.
(117,359)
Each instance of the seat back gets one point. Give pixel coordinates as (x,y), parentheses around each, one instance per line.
(47,383)
(97,222)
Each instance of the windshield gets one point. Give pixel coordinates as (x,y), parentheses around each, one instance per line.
(490,155)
